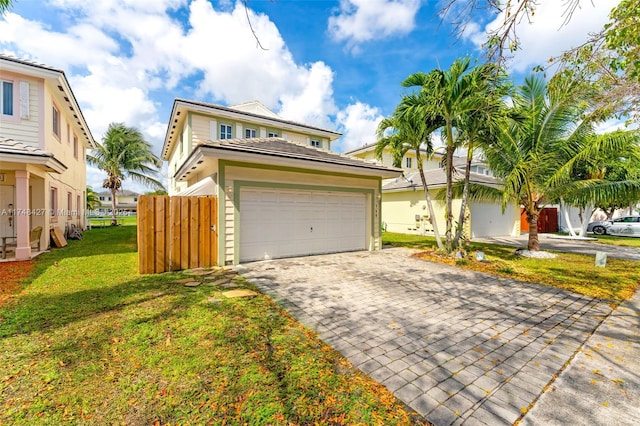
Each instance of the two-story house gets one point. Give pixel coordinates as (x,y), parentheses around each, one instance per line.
(281,191)
(404,207)
(126,201)
(43,142)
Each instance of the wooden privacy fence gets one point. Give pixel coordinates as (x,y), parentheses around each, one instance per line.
(176,233)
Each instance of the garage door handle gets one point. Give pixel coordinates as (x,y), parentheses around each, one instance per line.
(312,229)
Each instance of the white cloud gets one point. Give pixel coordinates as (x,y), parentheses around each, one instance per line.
(80,45)
(546,36)
(120,55)
(357,21)
(314,101)
(359,123)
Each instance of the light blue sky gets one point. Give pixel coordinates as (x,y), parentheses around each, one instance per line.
(336,64)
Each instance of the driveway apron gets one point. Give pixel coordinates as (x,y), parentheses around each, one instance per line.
(457,346)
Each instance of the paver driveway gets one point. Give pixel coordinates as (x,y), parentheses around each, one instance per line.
(459,347)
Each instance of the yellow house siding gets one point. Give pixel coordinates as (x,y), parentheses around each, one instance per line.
(407,212)
(205,128)
(25,130)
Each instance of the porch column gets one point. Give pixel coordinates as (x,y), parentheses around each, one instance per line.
(23,249)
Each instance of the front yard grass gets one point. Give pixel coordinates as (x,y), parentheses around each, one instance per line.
(618,241)
(88,341)
(575,272)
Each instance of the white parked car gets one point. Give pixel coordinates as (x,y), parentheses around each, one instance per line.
(626,226)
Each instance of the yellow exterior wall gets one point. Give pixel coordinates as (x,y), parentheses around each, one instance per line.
(25,130)
(399,211)
(197,128)
(37,130)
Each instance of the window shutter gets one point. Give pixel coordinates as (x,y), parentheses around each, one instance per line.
(213,130)
(24,99)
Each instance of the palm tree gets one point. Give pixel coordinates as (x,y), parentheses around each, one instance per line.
(92,199)
(449,97)
(536,154)
(406,129)
(5,5)
(125,153)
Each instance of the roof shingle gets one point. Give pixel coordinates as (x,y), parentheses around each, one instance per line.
(279,147)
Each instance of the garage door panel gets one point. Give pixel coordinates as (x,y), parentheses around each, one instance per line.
(286,223)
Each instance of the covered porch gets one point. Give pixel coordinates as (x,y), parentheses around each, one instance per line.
(25,204)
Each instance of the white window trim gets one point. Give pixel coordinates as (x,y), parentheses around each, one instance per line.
(13,101)
(57,130)
(228,127)
(253,133)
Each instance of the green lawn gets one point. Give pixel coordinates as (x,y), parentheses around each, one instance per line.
(574,272)
(88,341)
(619,241)
(105,221)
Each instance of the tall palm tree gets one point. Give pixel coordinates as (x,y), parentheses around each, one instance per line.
(449,97)
(125,153)
(406,129)
(536,154)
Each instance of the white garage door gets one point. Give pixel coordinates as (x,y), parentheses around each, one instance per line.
(487,220)
(278,223)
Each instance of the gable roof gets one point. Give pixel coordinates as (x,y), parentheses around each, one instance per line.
(184,105)
(371,147)
(57,78)
(436,178)
(278,151)
(256,107)
(13,151)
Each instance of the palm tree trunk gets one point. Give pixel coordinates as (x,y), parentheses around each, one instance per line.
(449,171)
(465,196)
(588,212)
(564,209)
(432,214)
(534,242)
(114,218)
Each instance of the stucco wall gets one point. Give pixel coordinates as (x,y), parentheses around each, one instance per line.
(407,212)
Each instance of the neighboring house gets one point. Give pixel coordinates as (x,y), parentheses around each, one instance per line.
(43,141)
(126,201)
(281,191)
(405,210)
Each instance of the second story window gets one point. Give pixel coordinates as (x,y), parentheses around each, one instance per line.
(225,131)
(316,144)
(6,98)
(56,121)
(272,134)
(408,162)
(75,146)
(249,133)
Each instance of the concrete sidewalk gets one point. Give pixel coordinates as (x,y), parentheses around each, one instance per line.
(601,386)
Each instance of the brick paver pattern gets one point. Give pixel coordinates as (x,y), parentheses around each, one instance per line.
(457,346)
